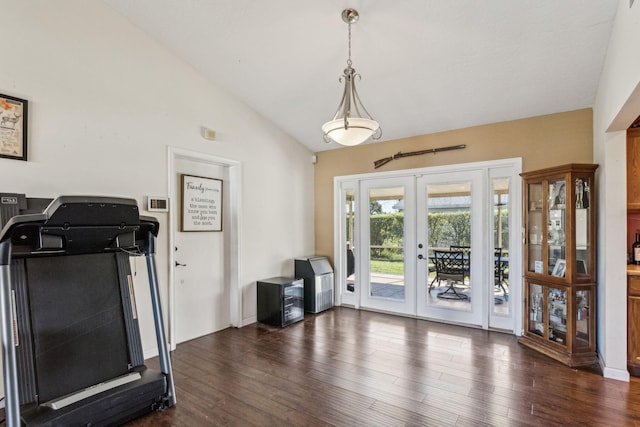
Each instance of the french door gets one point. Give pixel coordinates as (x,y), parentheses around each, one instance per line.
(450,219)
(387,218)
(392,225)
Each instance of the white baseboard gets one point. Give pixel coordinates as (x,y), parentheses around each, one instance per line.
(248,321)
(616,374)
(149,353)
(613,373)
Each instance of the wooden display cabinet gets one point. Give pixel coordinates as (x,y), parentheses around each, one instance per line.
(633,169)
(560,263)
(633,324)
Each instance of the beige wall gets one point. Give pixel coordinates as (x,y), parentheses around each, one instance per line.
(540,141)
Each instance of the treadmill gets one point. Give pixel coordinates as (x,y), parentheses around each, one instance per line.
(70,335)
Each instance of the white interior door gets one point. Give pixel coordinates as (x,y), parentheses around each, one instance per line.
(201,300)
(387,253)
(450,213)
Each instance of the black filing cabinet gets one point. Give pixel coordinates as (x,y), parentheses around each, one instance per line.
(280,301)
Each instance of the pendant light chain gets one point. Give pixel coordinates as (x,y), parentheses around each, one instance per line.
(349,60)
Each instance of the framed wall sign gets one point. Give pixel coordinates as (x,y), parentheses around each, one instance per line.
(201,203)
(13,127)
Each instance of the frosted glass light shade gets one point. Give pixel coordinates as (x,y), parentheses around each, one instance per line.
(358,131)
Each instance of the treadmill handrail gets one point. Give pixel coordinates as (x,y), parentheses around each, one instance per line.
(71,215)
(17,220)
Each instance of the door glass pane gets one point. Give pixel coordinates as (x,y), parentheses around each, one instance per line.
(350,216)
(534,228)
(583,198)
(449,233)
(557,315)
(501,304)
(386,231)
(556,228)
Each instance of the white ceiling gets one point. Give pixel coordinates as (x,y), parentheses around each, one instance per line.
(427,65)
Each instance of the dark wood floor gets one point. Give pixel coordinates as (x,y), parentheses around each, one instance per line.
(355,368)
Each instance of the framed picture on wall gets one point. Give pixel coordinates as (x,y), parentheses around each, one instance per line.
(13,127)
(201,203)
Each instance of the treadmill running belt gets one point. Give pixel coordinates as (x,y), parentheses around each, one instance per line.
(78,328)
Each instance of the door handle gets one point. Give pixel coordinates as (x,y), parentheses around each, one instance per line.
(180,264)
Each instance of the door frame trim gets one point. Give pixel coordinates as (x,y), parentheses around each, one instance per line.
(231,225)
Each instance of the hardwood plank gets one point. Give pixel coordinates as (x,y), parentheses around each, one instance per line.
(345,367)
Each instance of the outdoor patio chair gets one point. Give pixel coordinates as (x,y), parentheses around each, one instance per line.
(451,266)
(466,252)
(499,273)
(351,263)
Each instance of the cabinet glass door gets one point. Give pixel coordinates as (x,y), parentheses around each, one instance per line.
(556,231)
(557,300)
(583,306)
(535,228)
(583,239)
(536,308)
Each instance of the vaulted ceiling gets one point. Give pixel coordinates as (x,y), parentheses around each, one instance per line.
(427,65)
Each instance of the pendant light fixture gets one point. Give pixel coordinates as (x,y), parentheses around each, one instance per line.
(352,124)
